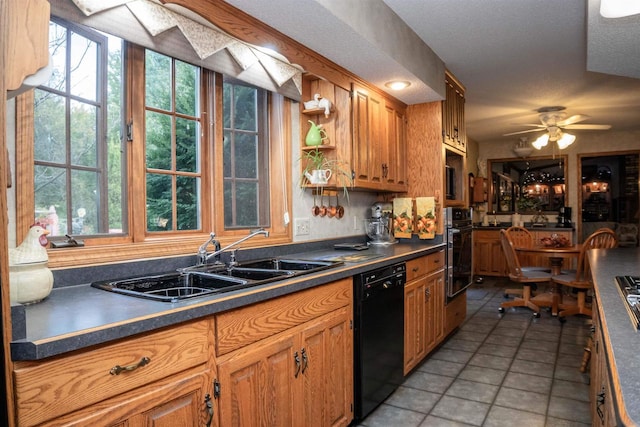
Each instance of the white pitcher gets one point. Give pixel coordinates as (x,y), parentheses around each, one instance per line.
(318,176)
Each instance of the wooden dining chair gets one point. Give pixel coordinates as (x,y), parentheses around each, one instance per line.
(579,279)
(526,277)
(522,238)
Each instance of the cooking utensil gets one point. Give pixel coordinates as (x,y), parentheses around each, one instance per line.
(340,209)
(315,210)
(332,209)
(323,208)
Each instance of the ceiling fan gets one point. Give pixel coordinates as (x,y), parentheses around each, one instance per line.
(555,120)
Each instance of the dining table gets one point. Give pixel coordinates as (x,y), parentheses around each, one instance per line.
(556,256)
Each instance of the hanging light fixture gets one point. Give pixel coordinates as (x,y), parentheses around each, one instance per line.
(566,140)
(542,141)
(554,134)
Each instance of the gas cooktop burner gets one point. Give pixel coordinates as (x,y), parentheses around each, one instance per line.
(629,287)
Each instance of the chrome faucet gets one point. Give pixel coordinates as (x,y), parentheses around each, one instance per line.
(204,257)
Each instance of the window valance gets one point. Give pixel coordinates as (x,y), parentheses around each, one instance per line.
(178,32)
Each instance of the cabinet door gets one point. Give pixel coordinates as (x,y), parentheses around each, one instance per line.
(393,150)
(414,322)
(327,370)
(360,137)
(368,133)
(258,384)
(434,307)
(488,258)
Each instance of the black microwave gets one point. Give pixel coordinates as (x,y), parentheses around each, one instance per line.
(450,183)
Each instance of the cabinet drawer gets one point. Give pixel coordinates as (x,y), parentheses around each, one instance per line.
(45,390)
(241,327)
(425,265)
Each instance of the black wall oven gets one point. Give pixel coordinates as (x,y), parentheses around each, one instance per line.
(458,238)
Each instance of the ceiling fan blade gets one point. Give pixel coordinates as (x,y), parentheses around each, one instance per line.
(524,131)
(571,120)
(538,125)
(588,127)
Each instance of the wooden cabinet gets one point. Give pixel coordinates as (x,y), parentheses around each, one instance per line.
(368,138)
(453,125)
(455,312)
(379,153)
(161,377)
(424,300)
(394,171)
(488,258)
(480,190)
(288,361)
(603,411)
(365,132)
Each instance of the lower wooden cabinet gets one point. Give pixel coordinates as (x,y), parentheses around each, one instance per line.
(603,411)
(424,300)
(455,312)
(162,376)
(300,376)
(488,258)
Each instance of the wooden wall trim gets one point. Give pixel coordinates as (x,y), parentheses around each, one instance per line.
(5,305)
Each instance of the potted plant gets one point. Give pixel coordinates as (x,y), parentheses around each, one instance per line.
(319,170)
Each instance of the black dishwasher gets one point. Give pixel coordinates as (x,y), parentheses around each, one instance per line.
(378,336)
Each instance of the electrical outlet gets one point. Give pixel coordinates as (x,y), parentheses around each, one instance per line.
(302,226)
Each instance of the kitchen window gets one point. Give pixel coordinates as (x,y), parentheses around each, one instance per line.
(246,153)
(77,119)
(173,150)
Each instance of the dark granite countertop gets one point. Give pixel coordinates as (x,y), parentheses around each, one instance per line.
(76,317)
(505,225)
(623,347)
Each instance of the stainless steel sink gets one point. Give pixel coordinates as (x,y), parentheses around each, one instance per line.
(173,286)
(210,279)
(253,274)
(297,265)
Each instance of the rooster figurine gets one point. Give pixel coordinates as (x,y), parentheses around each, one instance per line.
(33,247)
(29,277)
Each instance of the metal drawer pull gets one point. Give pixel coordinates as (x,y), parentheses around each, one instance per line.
(209,405)
(117,369)
(305,360)
(296,358)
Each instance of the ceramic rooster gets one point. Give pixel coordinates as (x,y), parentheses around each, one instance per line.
(32,249)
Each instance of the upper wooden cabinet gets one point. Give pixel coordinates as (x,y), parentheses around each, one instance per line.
(453,127)
(364,130)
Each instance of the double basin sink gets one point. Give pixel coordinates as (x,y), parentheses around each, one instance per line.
(211,279)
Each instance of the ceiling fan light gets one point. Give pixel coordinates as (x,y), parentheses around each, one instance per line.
(566,140)
(541,142)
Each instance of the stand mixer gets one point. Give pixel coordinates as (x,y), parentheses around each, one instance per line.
(378,227)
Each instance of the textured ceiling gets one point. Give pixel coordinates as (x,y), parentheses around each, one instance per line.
(512,56)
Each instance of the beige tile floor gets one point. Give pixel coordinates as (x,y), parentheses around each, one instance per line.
(496,370)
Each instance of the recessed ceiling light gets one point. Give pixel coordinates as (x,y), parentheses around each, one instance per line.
(619,8)
(397,85)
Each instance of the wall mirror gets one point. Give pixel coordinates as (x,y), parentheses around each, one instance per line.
(527,185)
